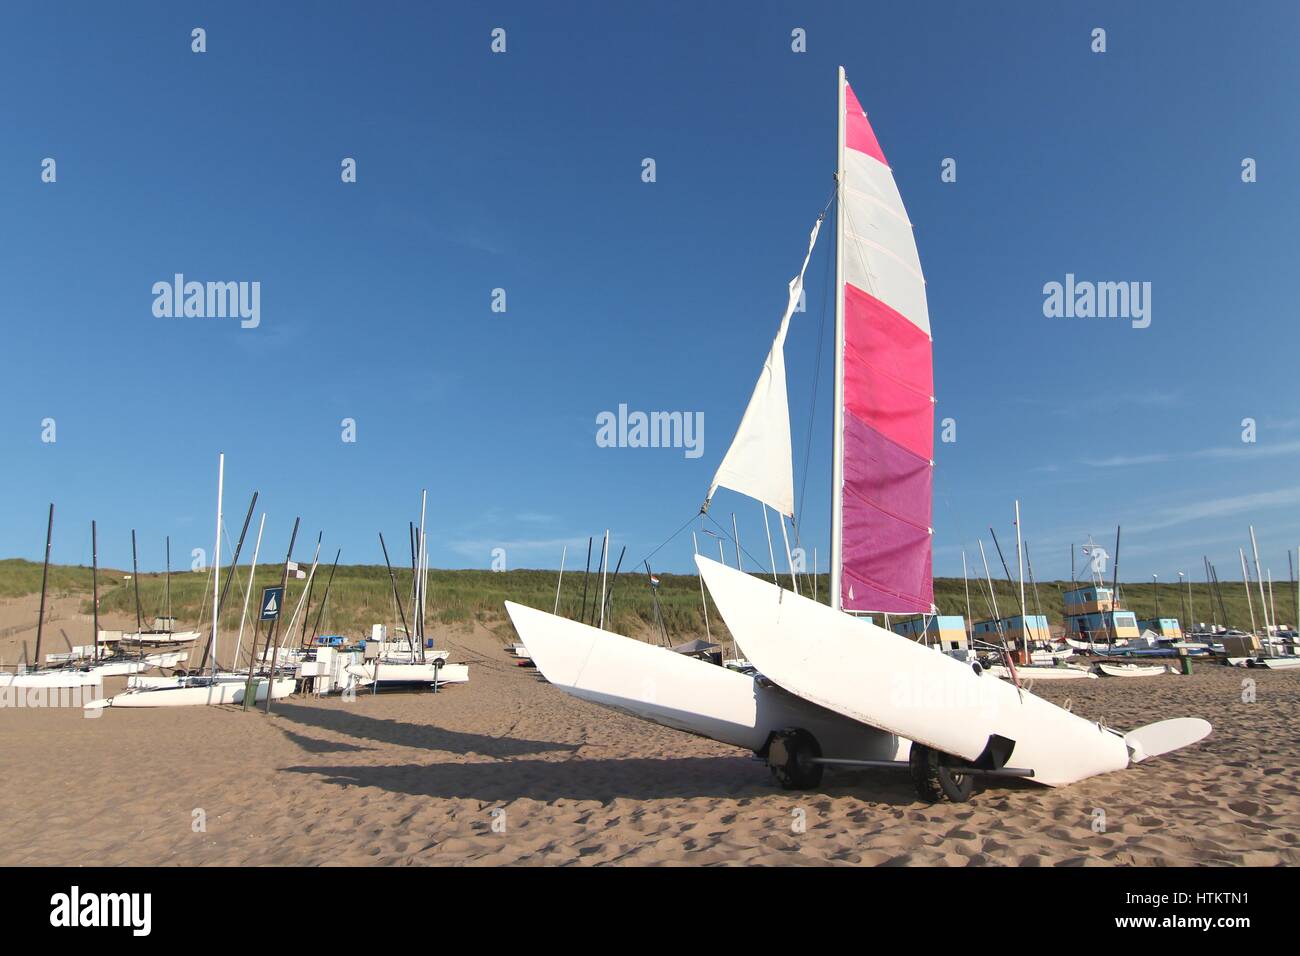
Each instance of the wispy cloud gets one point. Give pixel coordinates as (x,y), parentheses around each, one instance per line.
(1242,452)
(1127,461)
(519,551)
(1168,517)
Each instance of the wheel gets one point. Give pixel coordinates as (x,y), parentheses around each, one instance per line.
(790,758)
(934,781)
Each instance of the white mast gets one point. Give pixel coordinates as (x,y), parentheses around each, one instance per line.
(216,566)
(771,555)
(1259,579)
(252,569)
(1020,562)
(837,454)
(421,553)
(604,566)
(560,580)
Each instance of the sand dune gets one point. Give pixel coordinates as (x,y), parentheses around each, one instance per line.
(507,769)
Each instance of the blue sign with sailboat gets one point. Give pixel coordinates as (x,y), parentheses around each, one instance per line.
(272,599)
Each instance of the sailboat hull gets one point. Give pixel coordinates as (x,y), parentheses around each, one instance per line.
(218,692)
(405,673)
(872,675)
(684,693)
(53,679)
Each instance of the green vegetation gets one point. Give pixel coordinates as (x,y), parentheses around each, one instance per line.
(361,595)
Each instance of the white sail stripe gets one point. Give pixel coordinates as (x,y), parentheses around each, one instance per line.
(865,175)
(912,264)
(885,278)
(879,203)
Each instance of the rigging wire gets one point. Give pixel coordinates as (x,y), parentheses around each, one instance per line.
(817,376)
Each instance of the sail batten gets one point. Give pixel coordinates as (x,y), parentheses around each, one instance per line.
(885,387)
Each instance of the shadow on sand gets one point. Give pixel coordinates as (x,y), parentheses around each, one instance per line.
(350,723)
(736,777)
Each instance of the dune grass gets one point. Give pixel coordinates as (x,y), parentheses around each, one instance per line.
(361,595)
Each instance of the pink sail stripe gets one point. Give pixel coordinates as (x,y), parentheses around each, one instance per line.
(902,414)
(884,475)
(874,329)
(858,133)
(886,562)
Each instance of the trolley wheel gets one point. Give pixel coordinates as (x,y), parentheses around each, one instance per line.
(790,758)
(935,782)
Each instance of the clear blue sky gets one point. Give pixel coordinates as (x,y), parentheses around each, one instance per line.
(522,171)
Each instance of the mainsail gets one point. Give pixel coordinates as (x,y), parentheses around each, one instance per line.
(884,384)
(760,462)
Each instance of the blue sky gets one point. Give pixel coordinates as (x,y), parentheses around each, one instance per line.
(522,171)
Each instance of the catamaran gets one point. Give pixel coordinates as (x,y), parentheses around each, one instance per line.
(216,686)
(68,675)
(831,688)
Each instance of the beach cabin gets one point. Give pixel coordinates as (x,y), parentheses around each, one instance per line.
(946,630)
(1089,600)
(1102,626)
(1166,627)
(1016,629)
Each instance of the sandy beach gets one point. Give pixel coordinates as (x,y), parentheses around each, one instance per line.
(508,769)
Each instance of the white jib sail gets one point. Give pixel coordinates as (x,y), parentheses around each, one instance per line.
(760,461)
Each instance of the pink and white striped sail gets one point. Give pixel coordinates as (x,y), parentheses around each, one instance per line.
(885,387)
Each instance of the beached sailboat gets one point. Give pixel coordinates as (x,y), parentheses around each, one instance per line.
(390,664)
(216,686)
(72,675)
(826,657)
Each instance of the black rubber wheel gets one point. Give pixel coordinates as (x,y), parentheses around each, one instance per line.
(790,758)
(934,781)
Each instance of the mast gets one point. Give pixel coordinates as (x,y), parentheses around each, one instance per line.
(1245,579)
(1259,579)
(216,563)
(1020,563)
(837,432)
(135,579)
(234,561)
(320,612)
(168,585)
(582,614)
(410,640)
(248,592)
(94,584)
(560,580)
(735,535)
(424,576)
(604,573)
(970,624)
(1112,632)
(250,686)
(45,577)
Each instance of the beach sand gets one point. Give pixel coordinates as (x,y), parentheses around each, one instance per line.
(508,769)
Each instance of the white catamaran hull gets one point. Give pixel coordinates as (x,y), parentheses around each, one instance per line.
(218,692)
(160,638)
(53,679)
(403,672)
(889,682)
(1031,673)
(1130,670)
(682,692)
(120,668)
